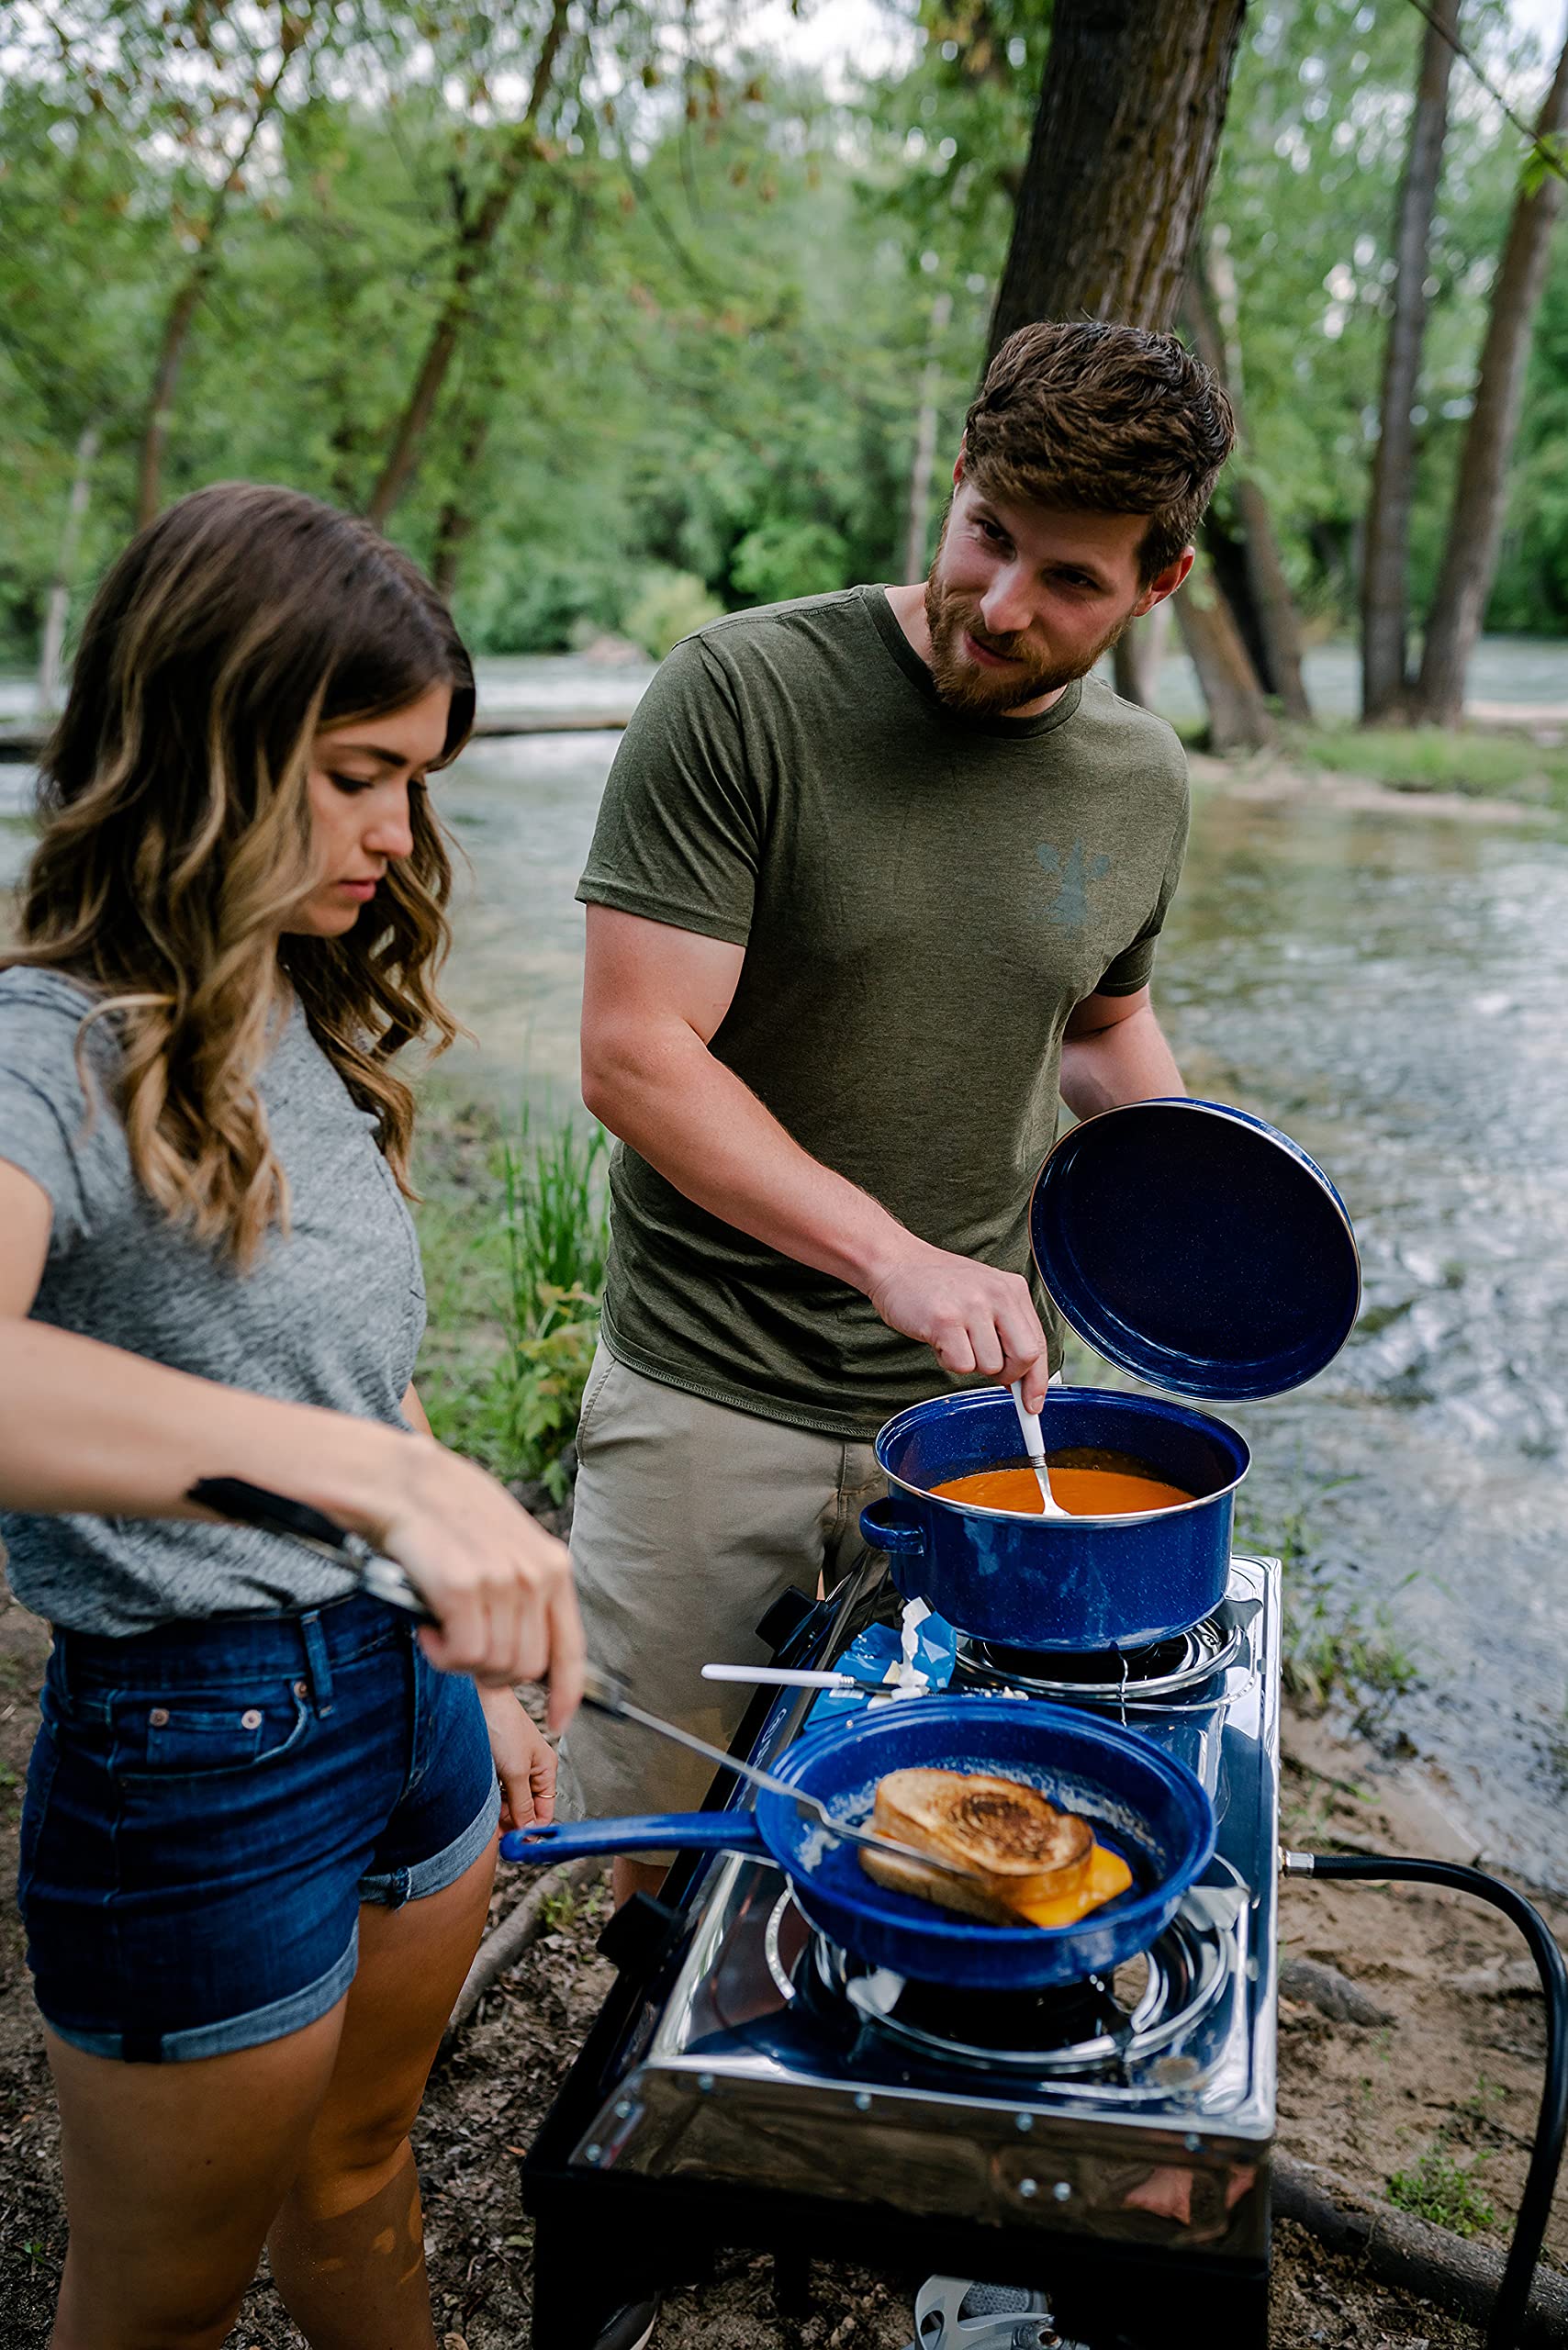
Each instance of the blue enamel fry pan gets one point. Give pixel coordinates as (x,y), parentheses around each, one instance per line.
(1141,1802)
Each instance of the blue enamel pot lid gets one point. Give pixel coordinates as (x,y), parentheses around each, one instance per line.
(1196,1247)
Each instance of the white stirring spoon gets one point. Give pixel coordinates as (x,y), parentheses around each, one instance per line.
(1035,1446)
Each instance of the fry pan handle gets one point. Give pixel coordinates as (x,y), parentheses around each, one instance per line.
(652,1831)
(891,1526)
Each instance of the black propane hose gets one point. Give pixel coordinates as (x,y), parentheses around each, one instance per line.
(1535,2204)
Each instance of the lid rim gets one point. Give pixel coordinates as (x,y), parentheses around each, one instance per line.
(1223,1381)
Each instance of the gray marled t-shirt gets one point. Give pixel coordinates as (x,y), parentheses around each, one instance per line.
(330,1313)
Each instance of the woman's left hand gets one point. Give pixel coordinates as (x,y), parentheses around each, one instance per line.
(525,1764)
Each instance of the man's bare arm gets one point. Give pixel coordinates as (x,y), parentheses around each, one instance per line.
(653,998)
(1115,1051)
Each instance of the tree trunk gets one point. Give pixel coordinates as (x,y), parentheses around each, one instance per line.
(456,526)
(1137,654)
(1384,617)
(1124,143)
(477,235)
(58,605)
(925,444)
(1239,716)
(1475,525)
(1273,603)
(188,295)
(1226,553)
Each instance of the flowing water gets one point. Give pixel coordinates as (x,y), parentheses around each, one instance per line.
(1392,987)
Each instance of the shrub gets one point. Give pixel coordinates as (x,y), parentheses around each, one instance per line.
(667,606)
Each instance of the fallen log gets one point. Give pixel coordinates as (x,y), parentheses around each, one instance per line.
(506,1942)
(26,740)
(1398,2249)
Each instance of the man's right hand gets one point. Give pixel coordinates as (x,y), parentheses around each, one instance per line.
(971,1317)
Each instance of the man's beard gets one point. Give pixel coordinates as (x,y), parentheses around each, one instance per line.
(974,692)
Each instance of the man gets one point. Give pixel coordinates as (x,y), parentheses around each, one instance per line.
(877,874)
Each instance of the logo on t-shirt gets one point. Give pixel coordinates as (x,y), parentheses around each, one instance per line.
(1068,909)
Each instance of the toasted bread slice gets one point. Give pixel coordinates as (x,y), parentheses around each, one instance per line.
(1021,1847)
(935,1885)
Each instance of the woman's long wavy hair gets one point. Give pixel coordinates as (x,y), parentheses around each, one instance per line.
(176,837)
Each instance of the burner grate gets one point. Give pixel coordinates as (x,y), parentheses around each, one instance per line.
(1107,1676)
(1136,2016)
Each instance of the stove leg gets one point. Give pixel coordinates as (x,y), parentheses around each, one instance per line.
(1239,2319)
(576,2291)
(792,2284)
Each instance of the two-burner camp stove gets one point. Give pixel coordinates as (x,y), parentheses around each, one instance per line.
(748,2085)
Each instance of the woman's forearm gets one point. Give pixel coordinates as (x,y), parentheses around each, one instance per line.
(91,1428)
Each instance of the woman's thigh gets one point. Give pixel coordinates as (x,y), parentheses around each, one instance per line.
(411,1965)
(173,2174)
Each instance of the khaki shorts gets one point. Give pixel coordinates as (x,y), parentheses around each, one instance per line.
(690,1519)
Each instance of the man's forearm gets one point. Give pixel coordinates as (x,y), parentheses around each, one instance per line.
(1130,1061)
(708,1134)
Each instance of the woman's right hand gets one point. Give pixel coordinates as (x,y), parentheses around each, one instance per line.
(500,1585)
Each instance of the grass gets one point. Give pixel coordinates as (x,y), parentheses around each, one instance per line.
(1479,762)
(1444,2191)
(1334,1646)
(514,1228)
(559,1909)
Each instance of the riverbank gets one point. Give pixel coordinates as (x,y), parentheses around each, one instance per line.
(1510,773)
(1439,2090)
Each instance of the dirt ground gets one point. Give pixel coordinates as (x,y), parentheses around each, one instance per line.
(1455,2070)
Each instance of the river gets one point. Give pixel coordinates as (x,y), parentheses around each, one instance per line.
(1390,986)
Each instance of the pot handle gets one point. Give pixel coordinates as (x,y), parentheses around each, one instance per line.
(690,1832)
(892,1526)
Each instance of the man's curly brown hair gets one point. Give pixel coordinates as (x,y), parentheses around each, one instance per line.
(1102,418)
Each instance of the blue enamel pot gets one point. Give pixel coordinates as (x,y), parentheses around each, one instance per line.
(1073,1583)
(1201,1249)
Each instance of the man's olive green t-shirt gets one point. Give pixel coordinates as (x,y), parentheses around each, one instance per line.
(923,899)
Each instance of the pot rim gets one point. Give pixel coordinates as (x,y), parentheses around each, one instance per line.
(1026,1517)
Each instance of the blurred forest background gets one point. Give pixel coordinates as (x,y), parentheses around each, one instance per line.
(618,317)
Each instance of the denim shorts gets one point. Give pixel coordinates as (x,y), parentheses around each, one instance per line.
(208,1804)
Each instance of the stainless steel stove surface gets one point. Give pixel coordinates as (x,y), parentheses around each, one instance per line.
(1135,2110)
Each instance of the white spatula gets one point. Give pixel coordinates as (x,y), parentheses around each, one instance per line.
(1035,1446)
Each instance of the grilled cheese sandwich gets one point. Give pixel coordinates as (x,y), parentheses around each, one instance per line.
(1030,1860)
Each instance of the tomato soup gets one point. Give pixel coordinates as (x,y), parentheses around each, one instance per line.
(1087,1484)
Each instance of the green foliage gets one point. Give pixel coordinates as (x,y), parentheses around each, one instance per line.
(514,1234)
(558,1909)
(1444,2191)
(1476,762)
(670,605)
(686,369)
(783,558)
(556,1218)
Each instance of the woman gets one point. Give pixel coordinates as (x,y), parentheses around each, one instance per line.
(260,1826)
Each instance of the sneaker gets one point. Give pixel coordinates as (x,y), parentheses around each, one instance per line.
(630,2328)
(955,2313)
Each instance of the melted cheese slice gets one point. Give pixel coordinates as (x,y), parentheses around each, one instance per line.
(1106,1876)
